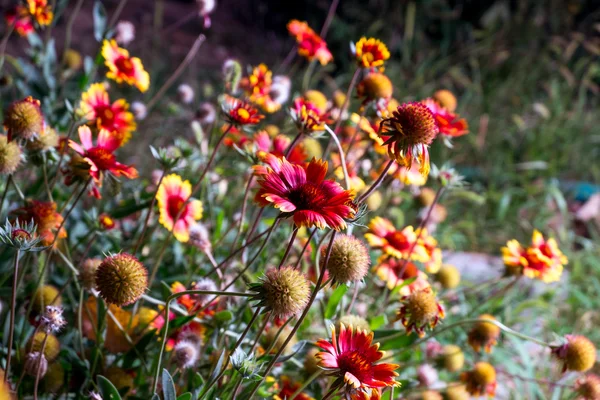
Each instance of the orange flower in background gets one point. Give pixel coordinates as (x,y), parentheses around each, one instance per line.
(371,52)
(41,11)
(409,132)
(106,222)
(278,146)
(176,212)
(434,259)
(384,235)
(258,88)
(310,45)
(307,116)
(395,272)
(352,358)
(46,219)
(449,123)
(302,192)
(288,388)
(21,19)
(543,260)
(95,105)
(240,113)
(123,68)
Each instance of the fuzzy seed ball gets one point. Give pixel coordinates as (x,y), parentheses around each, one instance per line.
(457,392)
(284,292)
(448,276)
(317,98)
(23,119)
(46,140)
(72,59)
(51,350)
(270,340)
(339,98)
(312,148)
(414,124)
(483,373)
(311,363)
(349,260)
(119,377)
(186,354)
(47,295)
(578,354)
(422,307)
(588,387)
(10,156)
(121,279)
(35,361)
(453,358)
(354,321)
(55,378)
(272,130)
(375,86)
(446,99)
(484,334)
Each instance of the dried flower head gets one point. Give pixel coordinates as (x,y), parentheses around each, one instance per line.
(52,348)
(121,279)
(23,119)
(35,364)
(452,358)
(370,52)
(481,380)
(484,334)
(186,354)
(349,260)
(284,292)
(420,310)
(578,353)
(448,276)
(10,156)
(408,134)
(588,387)
(52,320)
(87,274)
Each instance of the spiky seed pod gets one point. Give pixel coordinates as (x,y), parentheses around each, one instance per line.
(317,98)
(10,156)
(420,310)
(448,276)
(121,279)
(375,86)
(349,260)
(446,99)
(54,380)
(186,354)
(577,354)
(311,363)
(87,275)
(47,295)
(23,119)
(452,358)
(456,392)
(355,321)
(588,387)
(52,348)
(271,339)
(484,334)
(33,362)
(119,377)
(284,292)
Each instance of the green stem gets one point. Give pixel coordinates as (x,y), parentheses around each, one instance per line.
(306,383)
(13,302)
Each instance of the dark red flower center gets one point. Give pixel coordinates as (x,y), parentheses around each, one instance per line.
(307,196)
(103,158)
(124,65)
(397,240)
(357,364)
(106,116)
(174,205)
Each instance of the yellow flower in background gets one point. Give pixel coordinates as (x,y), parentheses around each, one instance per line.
(124,68)
(176,212)
(371,52)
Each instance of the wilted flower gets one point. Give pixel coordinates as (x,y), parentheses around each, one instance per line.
(349,260)
(301,191)
(124,32)
(310,45)
(484,334)
(408,134)
(578,353)
(375,86)
(177,211)
(352,358)
(185,93)
(240,113)
(123,68)
(23,119)
(307,116)
(420,310)
(36,364)
(114,117)
(52,320)
(121,279)
(371,52)
(283,291)
(481,380)
(46,218)
(186,354)
(10,156)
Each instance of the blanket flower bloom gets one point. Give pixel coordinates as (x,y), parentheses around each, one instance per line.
(258,87)
(394,273)
(307,116)
(352,358)
(420,310)
(383,235)
(409,132)
(310,45)
(288,388)
(46,219)
(278,147)
(240,113)
(124,68)
(20,18)
(176,212)
(95,105)
(371,52)
(542,260)
(302,192)
(449,123)
(481,380)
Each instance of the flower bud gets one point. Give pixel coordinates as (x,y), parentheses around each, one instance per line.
(349,260)
(448,276)
(121,279)
(10,156)
(577,354)
(484,334)
(34,362)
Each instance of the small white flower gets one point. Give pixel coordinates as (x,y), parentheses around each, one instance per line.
(186,93)
(125,32)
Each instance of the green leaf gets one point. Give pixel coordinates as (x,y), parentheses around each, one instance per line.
(107,390)
(406,282)
(169,392)
(393,344)
(185,396)
(377,322)
(99,21)
(223,316)
(334,300)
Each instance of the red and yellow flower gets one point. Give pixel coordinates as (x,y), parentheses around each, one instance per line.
(106,222)
(302,192)
(288,388)
(383,235)
(258,88)
(434,259)
(41,11)
(46,218)
(420,310)
(395,272)
(449,123)
(20,18)
(307,116)
(123,68)
(542,260)
(100,157)
(310,45)
(176,212)
(352,359)
(240,113)
(481,380)
(371,52)
(95,105)
(278,147)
